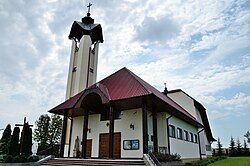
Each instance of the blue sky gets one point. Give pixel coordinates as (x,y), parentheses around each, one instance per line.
(200,47)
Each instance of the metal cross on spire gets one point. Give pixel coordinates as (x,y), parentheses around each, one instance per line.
(89,7)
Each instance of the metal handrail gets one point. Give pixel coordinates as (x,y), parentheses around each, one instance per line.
(155,160)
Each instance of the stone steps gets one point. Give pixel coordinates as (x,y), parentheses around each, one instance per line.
(92,162)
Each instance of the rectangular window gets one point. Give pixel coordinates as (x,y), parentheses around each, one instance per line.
(191,137)
(105,114)
(186,136)
(179,133)
(195,138)
(171,131)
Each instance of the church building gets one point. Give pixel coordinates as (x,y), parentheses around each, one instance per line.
(122,116)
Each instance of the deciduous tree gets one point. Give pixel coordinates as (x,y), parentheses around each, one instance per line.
(47,133)
(41,132)
(55,129)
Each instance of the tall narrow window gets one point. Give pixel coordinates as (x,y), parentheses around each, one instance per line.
(195,138)
(186,136)
(179,133)
(191,137)
(171,131)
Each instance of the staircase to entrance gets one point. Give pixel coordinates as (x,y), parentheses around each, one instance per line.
(90,162)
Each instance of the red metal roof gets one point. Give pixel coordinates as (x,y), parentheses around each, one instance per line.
(123,84)
(68,104)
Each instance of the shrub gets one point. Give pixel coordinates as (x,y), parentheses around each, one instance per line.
(205,162)
(167,158)
(8,159)
(33,158)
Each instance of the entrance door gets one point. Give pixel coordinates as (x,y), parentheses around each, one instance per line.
(88,148)
(104,145)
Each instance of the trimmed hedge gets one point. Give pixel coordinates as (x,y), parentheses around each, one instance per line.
(205,162)
(20,159)
(166,157)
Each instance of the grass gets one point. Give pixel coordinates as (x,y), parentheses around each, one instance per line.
(233,161)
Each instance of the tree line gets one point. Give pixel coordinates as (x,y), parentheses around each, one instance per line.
(17,147)
(235,147)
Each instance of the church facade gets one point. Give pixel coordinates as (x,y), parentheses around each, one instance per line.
(122,116)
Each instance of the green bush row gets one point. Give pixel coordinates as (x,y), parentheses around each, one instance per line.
(19,159)
(167,157)
(205,162)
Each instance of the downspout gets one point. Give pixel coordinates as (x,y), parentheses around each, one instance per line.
(168,133)
(199,142)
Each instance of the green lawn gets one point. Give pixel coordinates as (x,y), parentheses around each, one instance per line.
(233,161)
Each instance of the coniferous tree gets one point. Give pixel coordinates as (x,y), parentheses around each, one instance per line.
(247,135)
(219,146)
(246,151)
(232,147)
(239,147)
(4,142)
(26,140)
(14,142)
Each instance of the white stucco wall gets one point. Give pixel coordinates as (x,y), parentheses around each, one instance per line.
(77,128)
(184,148)
(188,104)
(162,129)
(184,101)
(120,125)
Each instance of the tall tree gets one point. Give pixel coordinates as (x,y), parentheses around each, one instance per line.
(219,146)
(26,140)
(239,147)
(47,133)
(247,135)
(232,147)
(14,142)
(55,129)
(41,132)
(245,147)
(4,142)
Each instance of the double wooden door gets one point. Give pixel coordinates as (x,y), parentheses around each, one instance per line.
(104,145)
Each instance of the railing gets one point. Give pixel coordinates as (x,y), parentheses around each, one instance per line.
(155,160)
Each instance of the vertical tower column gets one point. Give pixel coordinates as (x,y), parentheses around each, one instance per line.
(144,127)
(111,132)
(83,64)
(85,132)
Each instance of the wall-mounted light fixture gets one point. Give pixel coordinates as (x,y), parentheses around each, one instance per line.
(132,126)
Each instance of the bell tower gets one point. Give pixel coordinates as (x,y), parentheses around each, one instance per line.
(85,36)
